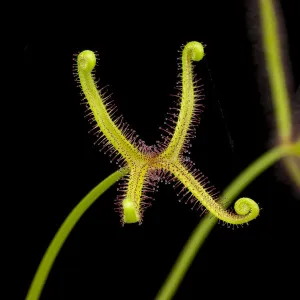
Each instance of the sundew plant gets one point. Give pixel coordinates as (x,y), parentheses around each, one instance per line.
(141,167)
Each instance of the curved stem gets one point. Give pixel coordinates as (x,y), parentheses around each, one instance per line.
(60,237)
(116,137)
(204,227)
(132,201)
(216,208)
(193,51)
(275,69)
(277,80)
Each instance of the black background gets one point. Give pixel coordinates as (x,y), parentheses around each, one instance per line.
(138,48)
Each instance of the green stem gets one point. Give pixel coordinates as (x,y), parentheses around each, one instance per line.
(277,80)
(51,253)
(275,69)
(203,229)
